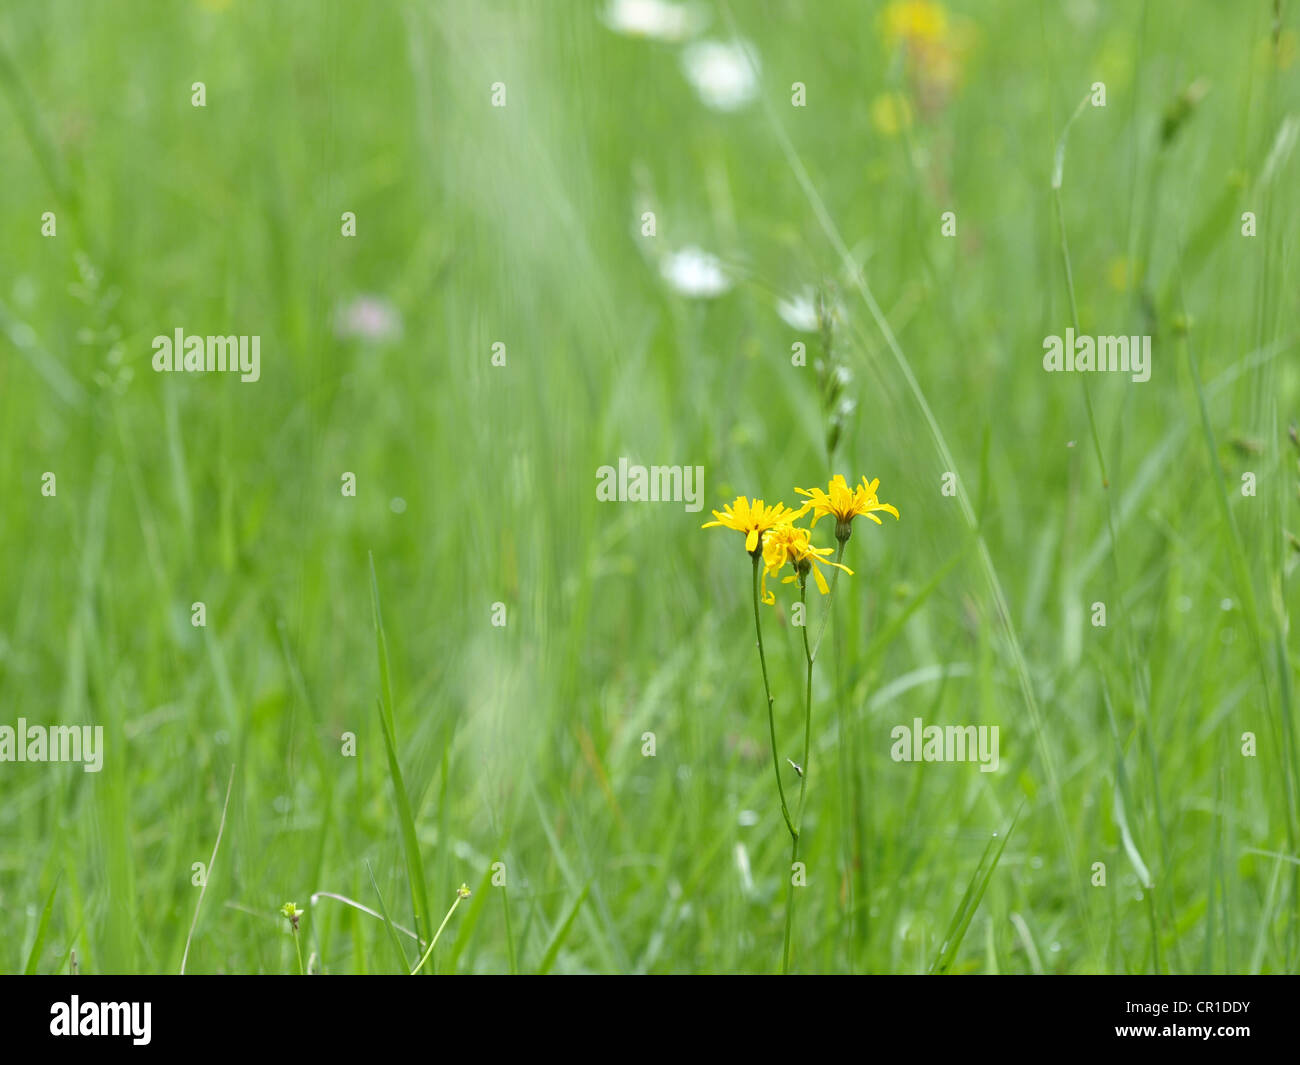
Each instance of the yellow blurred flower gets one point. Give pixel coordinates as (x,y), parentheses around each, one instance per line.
(752,518)
(890,113)
(912,21)
(934,48)
(1122,273)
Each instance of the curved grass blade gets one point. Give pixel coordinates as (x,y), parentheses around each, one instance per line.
(34,955)
(203,888)
(411,844)
(970,901)
(562,933)
(383,912)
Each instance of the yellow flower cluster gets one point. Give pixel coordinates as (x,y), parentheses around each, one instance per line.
(934,47)
(772,535)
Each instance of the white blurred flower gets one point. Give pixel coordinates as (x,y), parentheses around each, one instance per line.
(658,19)
(725,75)
(695,273)
(799,311)
(368,318)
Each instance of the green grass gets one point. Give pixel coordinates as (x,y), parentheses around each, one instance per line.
(522,745)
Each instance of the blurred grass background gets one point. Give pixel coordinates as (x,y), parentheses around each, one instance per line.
(522,225)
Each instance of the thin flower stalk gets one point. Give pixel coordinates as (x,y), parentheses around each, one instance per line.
(773,541)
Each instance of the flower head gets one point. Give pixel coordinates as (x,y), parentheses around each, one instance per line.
(723,73)
(695,274)
(934,47)
(291,911)
(753,519)
(654,19)
(914,21)
(789,543)
(890,112)
(846,503)
(368,318)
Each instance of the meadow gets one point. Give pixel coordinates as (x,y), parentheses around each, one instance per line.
(490,248)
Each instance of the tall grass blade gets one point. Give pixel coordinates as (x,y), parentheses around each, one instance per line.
(410,841)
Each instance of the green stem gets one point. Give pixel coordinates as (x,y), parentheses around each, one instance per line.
(803,775)
(455,903)
(510,936)
(298,947)
(850,820)
(830,598)
(789,909)
(771,724)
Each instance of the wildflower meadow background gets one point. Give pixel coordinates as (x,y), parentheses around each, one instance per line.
(776,240)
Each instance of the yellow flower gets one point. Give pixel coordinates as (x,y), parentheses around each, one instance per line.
(1122,273)
(890,112)
(845,503)
(934,47)
(914,21)
(789,543)
(753,519)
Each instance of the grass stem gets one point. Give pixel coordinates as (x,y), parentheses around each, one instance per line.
(461,894)
(803,768)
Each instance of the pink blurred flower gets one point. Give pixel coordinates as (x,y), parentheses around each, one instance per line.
(370,318)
